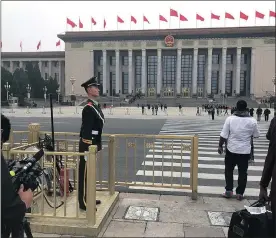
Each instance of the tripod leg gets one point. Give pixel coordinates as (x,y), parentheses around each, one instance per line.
(27,229)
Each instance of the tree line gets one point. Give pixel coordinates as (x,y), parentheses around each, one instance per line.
(20,79)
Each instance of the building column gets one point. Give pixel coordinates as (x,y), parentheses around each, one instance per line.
(252,73)
(144,71)
(117,71)
(209,71)
(40,66)
(61,85)
(130,73)
(92,64)
(238,71)
(50,68)
(194,83)
(11,67)
(105,72)
(159,71)
(178,71)
(21,64)
(223,70)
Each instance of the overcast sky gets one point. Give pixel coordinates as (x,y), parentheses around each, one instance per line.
(31,22)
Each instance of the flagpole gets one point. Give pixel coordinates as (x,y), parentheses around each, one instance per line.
(211,20)
(255,21)
(66,27)
(117,23)
(268,20)
(159,21)
(143,23)
(91,24)
(239,21)
(170,19)
(79,23)
(179,22)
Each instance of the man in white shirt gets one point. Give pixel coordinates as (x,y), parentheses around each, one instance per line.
(237,132)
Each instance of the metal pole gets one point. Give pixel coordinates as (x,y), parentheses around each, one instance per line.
(52,121)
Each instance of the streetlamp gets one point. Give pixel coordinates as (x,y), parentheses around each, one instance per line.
(28,88)
(45,93)
(72,80)
(7,87)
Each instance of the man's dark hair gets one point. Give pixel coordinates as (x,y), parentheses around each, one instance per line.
(5,128)
(241,105)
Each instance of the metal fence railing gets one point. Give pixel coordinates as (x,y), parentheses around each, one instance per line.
(138,160)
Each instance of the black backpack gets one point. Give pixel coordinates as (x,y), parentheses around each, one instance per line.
(246,225)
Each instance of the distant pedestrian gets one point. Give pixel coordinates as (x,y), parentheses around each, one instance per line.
(266,114)
(259,113)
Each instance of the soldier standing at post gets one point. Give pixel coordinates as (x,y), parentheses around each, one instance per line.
(143,109)
(90,133)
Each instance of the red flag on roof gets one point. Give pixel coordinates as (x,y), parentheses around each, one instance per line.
(199,18)
(80,24)
(229,16)
(161,18)
(145,19)
(120,20)
(93,21)
(243,16)
(272,14)
(58,43)
(38,45)
(259,15)
(182,18)
(133,19)
(71,23)
(173,13)
(215,17)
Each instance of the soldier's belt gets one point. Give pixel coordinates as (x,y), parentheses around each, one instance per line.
(86,141)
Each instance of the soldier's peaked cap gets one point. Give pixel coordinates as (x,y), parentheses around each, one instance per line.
(91,82)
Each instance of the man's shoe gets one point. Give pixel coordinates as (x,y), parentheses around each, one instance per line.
(227,194)
(98,202)
(82,208)
(239,197)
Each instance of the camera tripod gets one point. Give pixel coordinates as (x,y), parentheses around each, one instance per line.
(18,232)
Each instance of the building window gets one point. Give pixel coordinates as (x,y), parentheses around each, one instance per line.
(125,60)
(56,76)
(112,83)
(215,82)
(112,60)
(186,71)
(125,82)
(46,76)
(229,59)
(228,82)
(215,59)
(138,72)
(201,71)
(100,81)
(100,61)
(243,82)
(56,63)
(168,71)
(244,59)
(46,64)
(152,71)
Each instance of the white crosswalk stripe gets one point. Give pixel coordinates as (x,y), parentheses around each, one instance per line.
(167,163)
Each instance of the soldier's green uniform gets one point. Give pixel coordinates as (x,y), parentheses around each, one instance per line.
(90,134)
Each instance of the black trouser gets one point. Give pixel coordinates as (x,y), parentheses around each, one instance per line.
(82,199)
(231,160)
(266,117)
(273,209)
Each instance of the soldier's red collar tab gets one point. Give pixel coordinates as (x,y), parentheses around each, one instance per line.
(90,103)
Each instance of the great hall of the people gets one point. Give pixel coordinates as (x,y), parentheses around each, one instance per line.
(161,63)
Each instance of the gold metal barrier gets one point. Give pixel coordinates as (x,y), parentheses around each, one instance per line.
(136,161)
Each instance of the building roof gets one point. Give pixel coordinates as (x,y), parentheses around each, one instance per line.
(194,33)
(42,54)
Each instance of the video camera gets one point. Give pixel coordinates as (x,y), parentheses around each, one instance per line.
(26,172)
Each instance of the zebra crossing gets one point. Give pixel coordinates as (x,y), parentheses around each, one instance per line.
(172,166)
